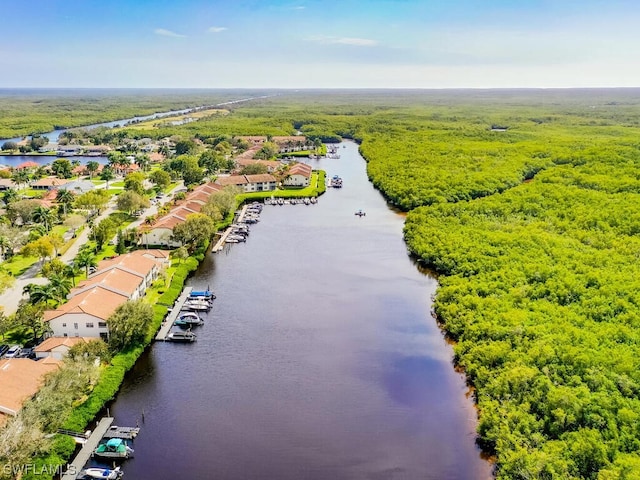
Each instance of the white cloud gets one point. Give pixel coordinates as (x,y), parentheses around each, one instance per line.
(167,33)
(217,29)
(358,42)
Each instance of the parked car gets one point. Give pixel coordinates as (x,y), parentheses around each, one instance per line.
(27,353)
(3,349)
(13,352)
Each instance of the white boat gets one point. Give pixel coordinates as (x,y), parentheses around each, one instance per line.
(183,337)
(103,473)
(196,305)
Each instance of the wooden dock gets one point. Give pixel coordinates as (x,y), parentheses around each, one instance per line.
(223,238)
(221,241)
(173,314)
(89,446)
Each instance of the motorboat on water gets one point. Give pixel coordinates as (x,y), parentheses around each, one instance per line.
(336,182)
(194,304)
(181,337)
(188,319)
(103,473)
(113,448)
(207,294)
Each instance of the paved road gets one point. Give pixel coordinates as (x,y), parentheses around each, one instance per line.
(11,297)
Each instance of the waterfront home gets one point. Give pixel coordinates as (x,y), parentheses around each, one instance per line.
(85,314)
(97,150)
(299,175)
(139,264)
(290,143)
(82,170)
(115,281)
(28,165)
(58,347)
(161,231)
(69,150)
(49,183)
(20,379)
(249,183)
(271,165)
(118,280)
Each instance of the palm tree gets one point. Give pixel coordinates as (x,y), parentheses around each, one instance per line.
(9,196)
(107,174)
(44,216)
(60,285)
(70,272)
(92,167)
(143,161)
(20,176)
(65,198)
(85,259)
(40,293)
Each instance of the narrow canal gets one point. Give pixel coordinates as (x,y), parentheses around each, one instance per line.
(320,359)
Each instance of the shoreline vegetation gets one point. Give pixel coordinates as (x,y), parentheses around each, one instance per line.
(533,230)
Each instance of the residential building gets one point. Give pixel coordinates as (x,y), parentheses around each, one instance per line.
(249,183)
(58,347)
(20,379)
(49,183)
(85,314)
(92,302)
(7,184)
(299,175)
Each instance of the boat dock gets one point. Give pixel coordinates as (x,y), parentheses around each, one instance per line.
(223,238)
(87,449)
(221,241)
(173,314)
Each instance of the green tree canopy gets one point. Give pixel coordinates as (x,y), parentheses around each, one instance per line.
(129,324)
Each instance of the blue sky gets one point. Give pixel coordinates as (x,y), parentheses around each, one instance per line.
(325,44)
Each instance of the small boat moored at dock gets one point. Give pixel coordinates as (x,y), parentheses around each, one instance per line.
(208,294)
(197,305)
(114,448)
(181,337)
(103,473)
(188,319)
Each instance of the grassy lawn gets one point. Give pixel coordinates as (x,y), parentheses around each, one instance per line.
(32,192)
(97,181)
(117,184)
(60,229)
(18,264)
(170,187)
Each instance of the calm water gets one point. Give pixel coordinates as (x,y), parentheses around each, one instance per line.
(320,359)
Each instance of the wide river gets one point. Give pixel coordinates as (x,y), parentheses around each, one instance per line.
(320,359)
